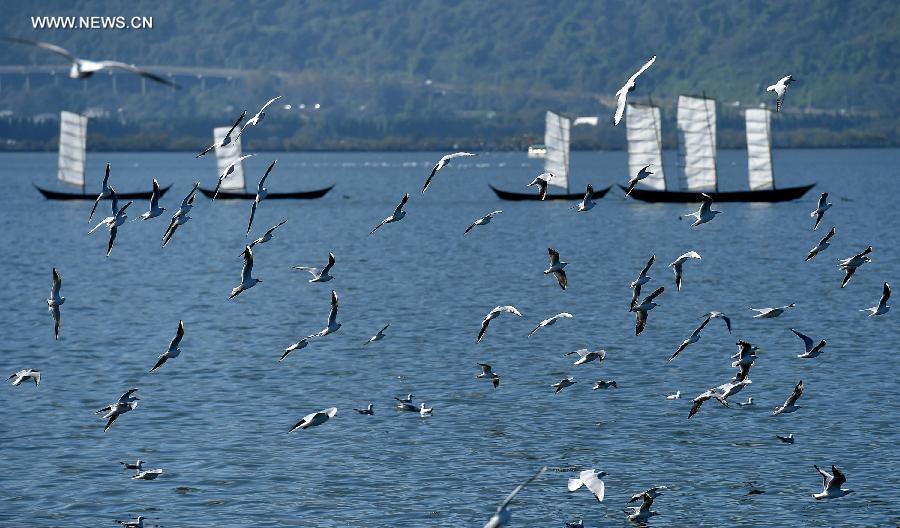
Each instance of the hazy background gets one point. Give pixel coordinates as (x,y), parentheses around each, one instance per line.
(399,74)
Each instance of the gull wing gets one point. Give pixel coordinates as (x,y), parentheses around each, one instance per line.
(593,483)
(247,270)
(642,70)
(807,342)
(402,203)
(798,391)
(252,214)
(885,295)
(826,476)
(640,321)
(178,335)
(330,264)
(653,295)
(554,256)
(44,45)
(561,278)
(272,166)
(697,331)
(332,316)
(647,266)
(838,479)
(57,284)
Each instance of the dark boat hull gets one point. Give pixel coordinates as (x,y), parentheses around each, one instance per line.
(770,195)
(306,195)
(534,197)
(57,195)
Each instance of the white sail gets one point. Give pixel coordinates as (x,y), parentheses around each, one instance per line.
(697,135)
(759,149)
(227,155)
(644,133)
(72,147)
(556,140)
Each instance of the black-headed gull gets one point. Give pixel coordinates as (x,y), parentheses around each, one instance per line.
(563,383)
(789,439)
(693,338)
(493,314)
(369,410)
(882,307)
(261,194)
(443,163)
(155,210)
(770,313)
(643,308)
(642,279)
(137,465)
(678,266)
(706,213)
(105,192)
(226,139)
(550,322)
(643,173)
(333,325)
(790,405)
(779,89)
(319,274)
(674,396)
(589,478)
(720,315)
(267,236)
(150,474)
(821,246)
(541,181)
(502,515)
(247,280)
(640,514)
(604,384)
(484,220)
(173,351)
(255,120)
(586,356)
(488,373)
(315,419)
(425,411)
(379,336)
(653,492)
(622,94)
(587,203)
(55,301)
(23,375)
(849,265)
(398,214)
(296,346)
(181,216)
(820,209)
(813,349)
(137,523)
(557,268)
(115,410)
(228,170)
(831,484)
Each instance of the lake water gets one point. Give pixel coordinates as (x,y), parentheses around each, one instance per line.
(216,418)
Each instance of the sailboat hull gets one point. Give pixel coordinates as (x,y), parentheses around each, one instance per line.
(534,197)
(229,195)
(57,195)
(769,195)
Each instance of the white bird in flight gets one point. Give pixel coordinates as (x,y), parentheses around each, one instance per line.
(105,192)
(541,181)
(831,484)
(589,478)
(315,419)
(622,94)
(173,351)
(55,301)
(155,210)
(790,405)
(678,264)
(379,336)
(563,383)
(24,375)
(706,213)
(604,384)
(255,120)
(882,307)
(261,194)
(493,314)
(720,315)
(226,140)
(247,280)
(319,275)
(850,265)
(296,346)
(181,216)
(267,236)
(820,209)
(821,246)
(502,515)
(443,163)
(550,322)
(398,214)
(640,514)
(643,308)
(488,373)
(642,174)
(113,411)
(642,279)
(693,338)
(118,218)
(333,325)
(779,89)
(228,170)
(812,348)
(557,268)
(484,220)
(770,313)
(587,203)
(586,356)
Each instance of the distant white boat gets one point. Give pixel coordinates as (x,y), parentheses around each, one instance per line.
(537,151)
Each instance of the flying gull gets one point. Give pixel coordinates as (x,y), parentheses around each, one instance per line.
(113,222)
(587,203)
(115,410)
(315,419)
(589,478)
(831,484)
(247,280)
(641,310)
(821,246)
(369,410)
(155,210)
(604,384)
(228,170)
(780,88)
(563,383)
(105,192)
(653,493)
(261,194)
(296,346)
(319,275)
(557,268)
(678,264)
(150,474)
(642,279)
(704,396)
(267,236)
(484,220)
(882,307)
(643,173)
(173,351)
(850,265)
(443,163)
(770,313)
(55,301)
(488,373)
(640,514)
(693,338)
(789,439)
(705,213)
(333,325)
(181,216)
(398,215)
(23,375)
(743,359)
(550,322)
(586,356)
(541,181)
(254,121)
(225,140)
(790,405)
(493,314)
(622,94)
(820,209)
(813,349)
(502,516)
(379,336)
(720,315)
(84,68)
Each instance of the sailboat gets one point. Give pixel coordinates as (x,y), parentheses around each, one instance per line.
(556,162)
(697,150)
(234,186)
(72,157)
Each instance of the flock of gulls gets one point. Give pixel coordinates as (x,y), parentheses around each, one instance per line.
(590,479)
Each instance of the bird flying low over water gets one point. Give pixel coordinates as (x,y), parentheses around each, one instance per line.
(105,192)
(84,68)
(720,393)
(255,120)
(267,236)
(831,484)
(770,313)
(563,383)
(790,405)
(228,170)
(604,384)
(743,359)
(502,515)
(643,173)
(882,307)
(113,222)
(587,203)
(379,336)
(443,163)
(181,216)
(488,373)
(720,315)
(820,209)
(173,351)
(319,275)
(315,419)
(484,220)
(113,411)
(296,346)
(225,140)
(493,314)
(640,514)
(643,308)
(705,213)
(557,268)
(333,325)
(622,94)
(586,356)
(541,181)
(642,279)
(813,349)
(821,246)
(247,280)
(779,89)
(693,338)
(550,322)
(678,265)
(55,301)
(261,194)
(589,478)
(155,210)
(398,214)
(850,265)
(24,375)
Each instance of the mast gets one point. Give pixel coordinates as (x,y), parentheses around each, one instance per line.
(72,148)
(227,155)
(556,140)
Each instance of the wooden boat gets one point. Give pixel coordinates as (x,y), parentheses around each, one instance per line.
(556,162)
(697,154)
(72,158)
(234,186)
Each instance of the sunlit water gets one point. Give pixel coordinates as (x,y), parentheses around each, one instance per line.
(216,418)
